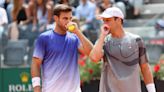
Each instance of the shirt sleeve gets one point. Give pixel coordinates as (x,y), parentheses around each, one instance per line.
(142,51)
(39,50)
(78,42)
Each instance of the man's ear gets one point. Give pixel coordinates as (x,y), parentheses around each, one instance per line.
(56,18)
(119,20)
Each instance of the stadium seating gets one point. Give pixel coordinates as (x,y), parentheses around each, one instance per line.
(14,52)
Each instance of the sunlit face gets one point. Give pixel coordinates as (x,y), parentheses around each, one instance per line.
(63,19)
(113,23)
(108,21)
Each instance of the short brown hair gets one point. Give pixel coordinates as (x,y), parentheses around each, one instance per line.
(61,8)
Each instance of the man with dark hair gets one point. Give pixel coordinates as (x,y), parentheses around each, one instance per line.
(123,53)
(56,53)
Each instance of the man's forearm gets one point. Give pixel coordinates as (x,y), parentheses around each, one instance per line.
(35,69)
(146,72)
(148,77)
(87,45)
(35,73)
(97,51)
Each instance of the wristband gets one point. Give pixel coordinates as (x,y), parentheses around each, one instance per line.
(150,87)
(35,81)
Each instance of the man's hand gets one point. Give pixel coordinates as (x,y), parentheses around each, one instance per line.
(97,52)
(105,30)
(72,27)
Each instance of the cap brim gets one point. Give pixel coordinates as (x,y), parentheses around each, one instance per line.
(104,16)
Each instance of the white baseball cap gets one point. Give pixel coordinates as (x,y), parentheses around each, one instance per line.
(112,12)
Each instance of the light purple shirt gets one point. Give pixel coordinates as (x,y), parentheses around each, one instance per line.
(59,53)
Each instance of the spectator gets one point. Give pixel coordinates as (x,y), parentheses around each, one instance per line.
(85,12)
(3,17)
(44,13)
(9,8)
(101,6)
(130,8)
(20,16)
(32,12)
(20,12)
(104,5)
(3,20)
(159,26)
(74,3)
(137,4)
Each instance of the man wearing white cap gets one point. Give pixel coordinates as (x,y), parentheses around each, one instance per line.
(123,54)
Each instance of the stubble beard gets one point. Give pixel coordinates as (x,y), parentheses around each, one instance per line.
(62,28)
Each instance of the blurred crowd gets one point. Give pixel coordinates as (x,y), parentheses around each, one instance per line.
(26,19)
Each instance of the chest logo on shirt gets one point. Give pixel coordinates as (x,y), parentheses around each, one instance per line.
(125,49)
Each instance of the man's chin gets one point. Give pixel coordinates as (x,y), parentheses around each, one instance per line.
(64,29)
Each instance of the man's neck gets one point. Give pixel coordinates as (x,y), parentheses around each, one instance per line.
(60,31)
(119,33)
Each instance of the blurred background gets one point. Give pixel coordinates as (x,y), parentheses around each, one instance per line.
(21,21)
